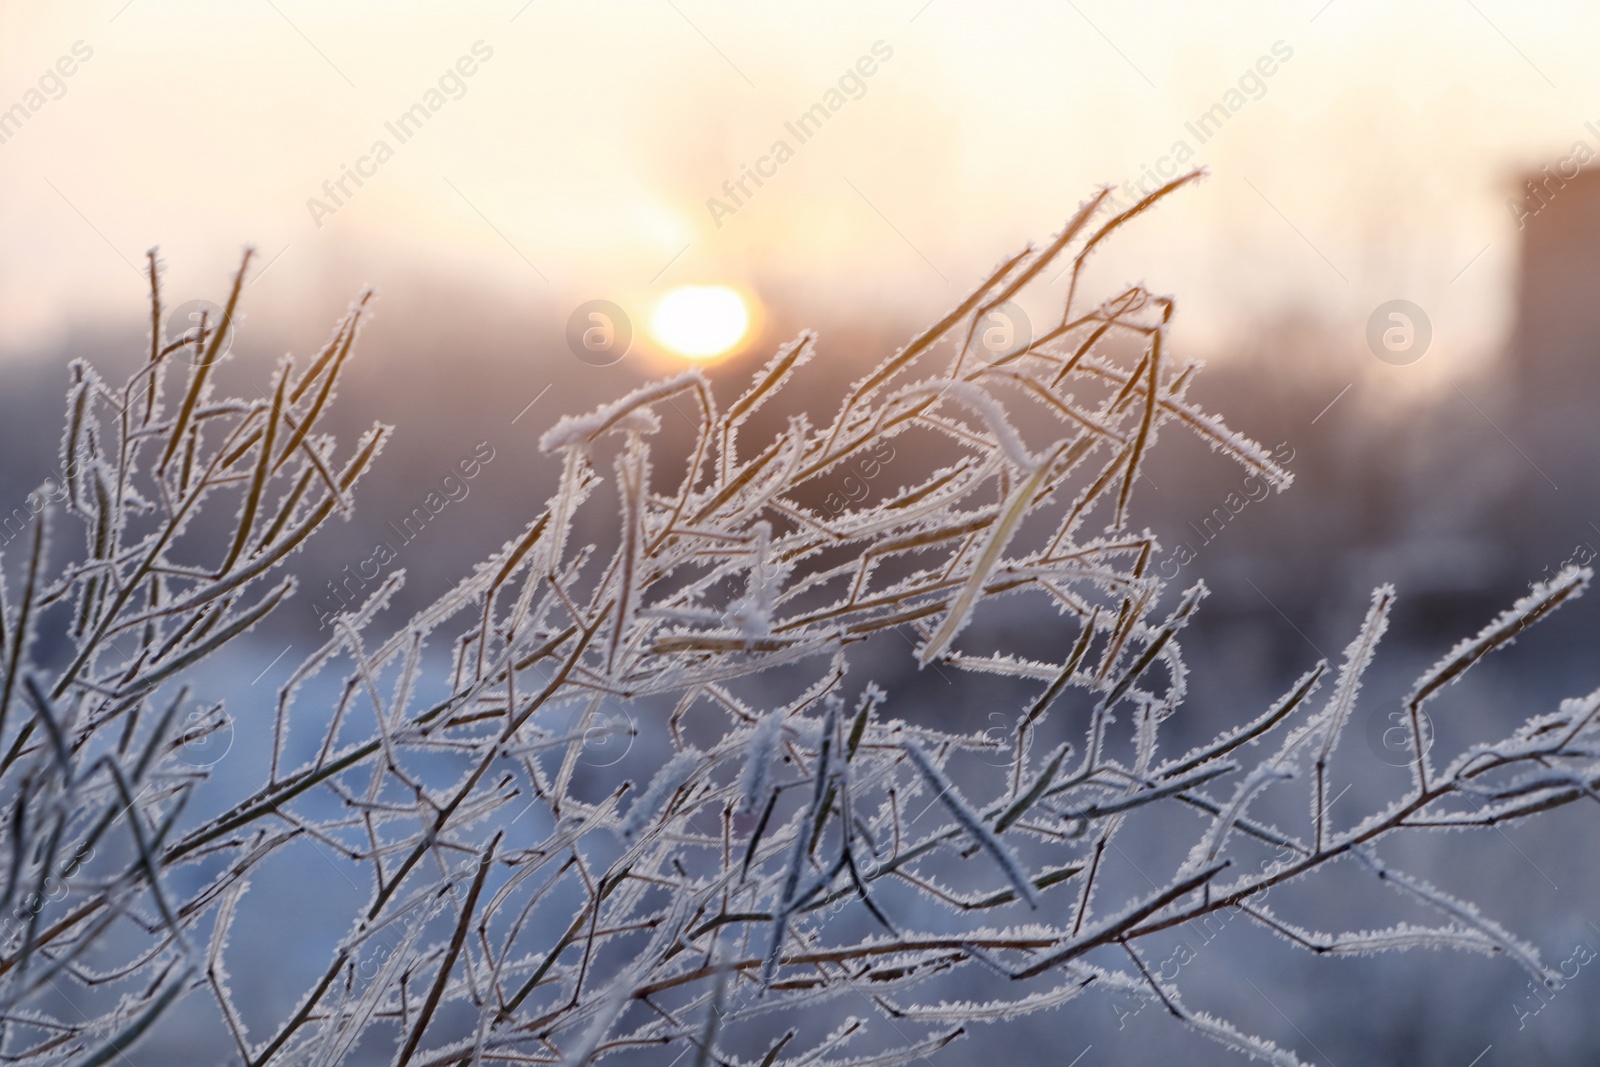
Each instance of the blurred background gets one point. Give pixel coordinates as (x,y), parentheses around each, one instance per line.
(723,175)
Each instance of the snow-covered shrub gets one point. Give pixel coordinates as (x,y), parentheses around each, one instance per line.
(803,865)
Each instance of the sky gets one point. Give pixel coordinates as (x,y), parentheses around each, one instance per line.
(1364,152)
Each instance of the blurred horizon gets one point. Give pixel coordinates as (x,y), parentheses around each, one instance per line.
(581,156)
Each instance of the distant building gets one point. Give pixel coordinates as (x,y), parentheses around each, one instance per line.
(1555,341)
(1547,507)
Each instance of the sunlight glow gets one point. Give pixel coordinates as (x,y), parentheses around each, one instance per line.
(701,322)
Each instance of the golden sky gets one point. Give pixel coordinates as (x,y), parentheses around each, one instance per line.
(581,155)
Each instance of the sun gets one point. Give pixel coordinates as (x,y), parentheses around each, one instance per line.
(701,322)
